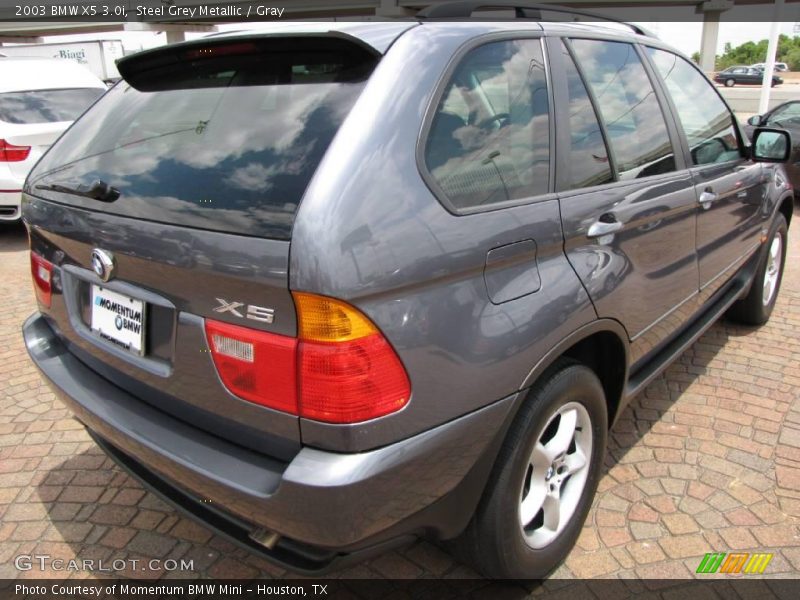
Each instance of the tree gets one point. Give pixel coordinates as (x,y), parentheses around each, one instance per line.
(756,52)
(792,59)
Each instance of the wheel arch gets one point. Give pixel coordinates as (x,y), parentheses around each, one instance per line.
(786,207)
(602,334)
(602,346)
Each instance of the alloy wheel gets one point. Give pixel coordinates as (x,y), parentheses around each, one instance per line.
(556,475)
(773,270)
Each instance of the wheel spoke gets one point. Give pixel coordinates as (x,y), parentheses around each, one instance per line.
(575,461)
(540,459)
(532,502)
(552,510)
(560,442)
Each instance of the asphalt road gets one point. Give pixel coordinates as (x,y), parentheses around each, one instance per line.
(744,99)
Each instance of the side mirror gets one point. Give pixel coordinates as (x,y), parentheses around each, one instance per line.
(755,120)
(771,145)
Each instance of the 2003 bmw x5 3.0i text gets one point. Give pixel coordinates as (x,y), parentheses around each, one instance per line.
(330,287)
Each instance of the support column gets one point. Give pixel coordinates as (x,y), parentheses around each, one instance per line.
(392,9)
(708,44)
(173,37)
(772,50)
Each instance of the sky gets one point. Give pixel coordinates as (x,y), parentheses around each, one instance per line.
(686,36)
(683,36)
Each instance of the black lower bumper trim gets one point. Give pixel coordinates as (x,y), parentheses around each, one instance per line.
(287,553)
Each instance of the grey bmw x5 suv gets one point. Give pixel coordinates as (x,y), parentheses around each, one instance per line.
(333,286)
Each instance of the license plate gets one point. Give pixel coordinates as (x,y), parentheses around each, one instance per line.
(118,319)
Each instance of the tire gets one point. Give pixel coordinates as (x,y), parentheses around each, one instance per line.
(495,542)
(730,83)
(756,307)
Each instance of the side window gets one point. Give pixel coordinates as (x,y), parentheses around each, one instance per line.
(490,137)
(706,120)
(588,155)
(629,107)
(789,114)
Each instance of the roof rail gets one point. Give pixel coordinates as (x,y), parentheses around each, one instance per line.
(462,9)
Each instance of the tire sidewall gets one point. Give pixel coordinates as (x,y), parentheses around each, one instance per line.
(779,227)
(572,384)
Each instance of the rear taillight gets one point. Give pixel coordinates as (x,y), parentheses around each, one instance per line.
(340,369)
(12,153)
(255,365)
(42,271)
(348,372)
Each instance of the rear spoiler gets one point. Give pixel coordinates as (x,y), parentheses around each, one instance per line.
(147,70)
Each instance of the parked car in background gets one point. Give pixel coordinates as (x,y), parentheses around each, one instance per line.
(784,116)
(327,291)
(779,66)
(39,99)
(744,76)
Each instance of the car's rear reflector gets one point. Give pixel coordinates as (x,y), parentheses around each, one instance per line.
(42,271)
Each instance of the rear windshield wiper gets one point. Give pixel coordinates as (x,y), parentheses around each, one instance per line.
(99,190)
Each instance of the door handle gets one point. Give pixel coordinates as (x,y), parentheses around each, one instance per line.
(606,225)
(707,197)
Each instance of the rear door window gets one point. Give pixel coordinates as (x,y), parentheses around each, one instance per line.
(629,107)
(489,140)
(46,106)
(588,156)
(224,138)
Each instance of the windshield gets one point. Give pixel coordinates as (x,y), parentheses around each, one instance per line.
(226,140)
(46,106)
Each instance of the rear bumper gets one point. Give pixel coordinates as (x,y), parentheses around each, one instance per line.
(10,204)
(323,504)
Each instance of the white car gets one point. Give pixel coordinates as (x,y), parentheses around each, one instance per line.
(39,99)
(779,66)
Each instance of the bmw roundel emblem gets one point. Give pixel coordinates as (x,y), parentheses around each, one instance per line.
(103,264)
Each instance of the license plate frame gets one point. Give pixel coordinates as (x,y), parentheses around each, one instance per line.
(114,317)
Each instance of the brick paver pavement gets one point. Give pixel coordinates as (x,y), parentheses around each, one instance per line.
(706,459)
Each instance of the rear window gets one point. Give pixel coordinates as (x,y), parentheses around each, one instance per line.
(46,106)
(224,137)
(489,140)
